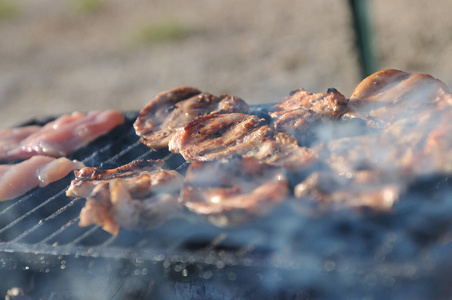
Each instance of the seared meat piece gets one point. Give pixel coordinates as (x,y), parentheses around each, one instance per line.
(63,136)
(139,195)
(175,108)
(218,136)
(411,139)
(301,113)
(231,192)
(361,189)
(389,95)
(411,115)
(17,179)
(87,178)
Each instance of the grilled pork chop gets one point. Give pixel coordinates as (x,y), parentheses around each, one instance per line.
(139,195)
(173,109)
(231,192)
(219,136)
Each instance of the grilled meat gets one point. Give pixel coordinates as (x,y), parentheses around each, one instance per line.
(87,178)
(39,170)
(62,136)
(232,192)
(412,135)
(173,109)
(362,189)
(301,112)
(139,195)
(390,95)
(410,115)
(218,136)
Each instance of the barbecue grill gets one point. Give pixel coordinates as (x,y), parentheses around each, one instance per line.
(295,252)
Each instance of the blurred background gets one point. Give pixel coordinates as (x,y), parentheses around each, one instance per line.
(80,55)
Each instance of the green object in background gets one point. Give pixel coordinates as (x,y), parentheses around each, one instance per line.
(363,36)
(164,31)
(8,9)
(87,6)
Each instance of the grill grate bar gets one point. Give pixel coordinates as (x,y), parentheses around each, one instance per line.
(31,211)
(60,230)
(16,203)
(108,241)
(93,156)
(42,221)
(84,235)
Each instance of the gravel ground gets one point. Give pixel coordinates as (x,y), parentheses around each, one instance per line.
(61,56)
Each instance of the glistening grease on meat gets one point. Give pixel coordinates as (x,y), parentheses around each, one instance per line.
(62,136)
(235,191)
(39,170)
(138,195)
(173,109)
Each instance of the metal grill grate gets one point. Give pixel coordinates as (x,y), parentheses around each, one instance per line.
(39,234)
(45,222)
(46,217)
(309,253)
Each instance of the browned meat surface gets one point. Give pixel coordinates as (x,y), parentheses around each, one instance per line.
(17,179)
(360,189)
(62,136)
(173,109)
(220,136)
(390,95)
(139,195)
(411,115)
(301,112)
(231,192)
(412,138)
(87,178)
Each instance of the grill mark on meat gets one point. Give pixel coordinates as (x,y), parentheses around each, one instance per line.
(300,114)
(225,135)
(173,109)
